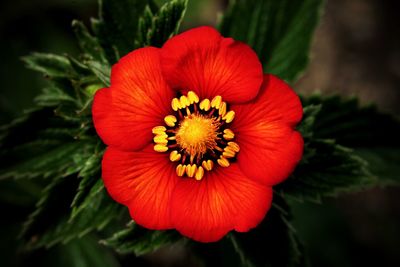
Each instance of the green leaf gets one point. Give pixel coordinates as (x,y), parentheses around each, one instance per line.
(88,43)
(373,135)
(81,200)
(58,161)
(306,127)
(279,31)
(117,26)
(90,183)
(272,243)
(384,162)
(40,144)
(352,125)
(156,29)
(328,167)
(326,170)
(100,70)
(54,201)
(53,96)
(50,65)
(51,222)
(138,240)
(30,125)
(84,252)
(67,77)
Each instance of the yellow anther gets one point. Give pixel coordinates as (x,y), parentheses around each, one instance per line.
(234,146)
(184,101)
(191,170)
(223,162)
(229,116)
(193,98)
(205,104)
(208,165)
(170,120)
(228,134)
(222,109)
(174,156)
(199,173)
(175,104)
(158,130)
(160,139)
(216,101)
(180,170)
(229,149)
(160,148)
(228,153)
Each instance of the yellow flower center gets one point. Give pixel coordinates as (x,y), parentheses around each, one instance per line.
(197,135)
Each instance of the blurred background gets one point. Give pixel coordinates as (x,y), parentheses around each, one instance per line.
(356,52)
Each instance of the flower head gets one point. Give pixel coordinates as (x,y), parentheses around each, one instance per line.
(197,135)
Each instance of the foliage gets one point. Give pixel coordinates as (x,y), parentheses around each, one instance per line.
(279,31)
(347,147)
(138,240)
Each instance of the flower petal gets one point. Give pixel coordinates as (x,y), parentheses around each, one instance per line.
(270,148)
(137,101)
(224,200)
(203,61)
(144,182)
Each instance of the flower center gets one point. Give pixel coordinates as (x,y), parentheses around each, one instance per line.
(197,135)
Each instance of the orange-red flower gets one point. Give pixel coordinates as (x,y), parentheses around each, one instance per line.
(197,135)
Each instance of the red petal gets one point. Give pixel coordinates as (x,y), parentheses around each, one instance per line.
(270,148)
(144,182)
(137,100)
(203,61)
(224,200)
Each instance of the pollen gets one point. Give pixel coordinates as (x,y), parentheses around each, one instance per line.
(197,135)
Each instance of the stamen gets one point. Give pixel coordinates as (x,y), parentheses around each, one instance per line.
(219,149)
(223,162)
(216,102)
(228,134)
(173,146)
(180,170)
(158,130)
(222,109)
(161,139)
(191,170)
(174,156)
(205,104)
(184,101)
(196,135)
(235,147)
(199,173)
(228,153)
(175,104)
(193,98)
(229,116)
(160,148)
(208,165)
(170,120)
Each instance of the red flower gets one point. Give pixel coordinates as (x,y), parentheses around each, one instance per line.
(197,135)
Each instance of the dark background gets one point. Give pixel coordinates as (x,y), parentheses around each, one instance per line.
(356,51)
